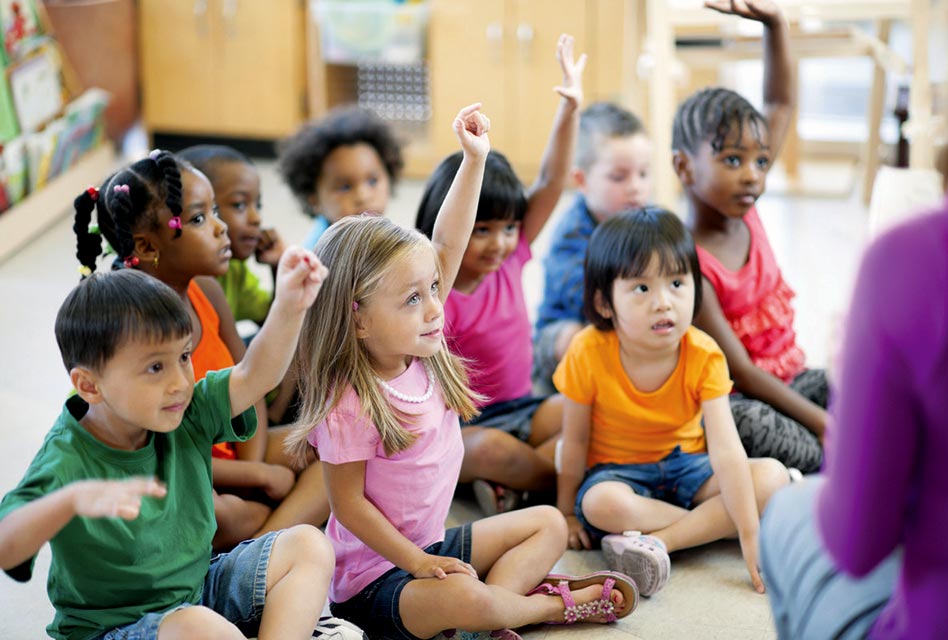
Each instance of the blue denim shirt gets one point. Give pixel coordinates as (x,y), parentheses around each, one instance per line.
(563,266)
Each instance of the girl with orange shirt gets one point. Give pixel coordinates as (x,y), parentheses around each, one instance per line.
(649,443)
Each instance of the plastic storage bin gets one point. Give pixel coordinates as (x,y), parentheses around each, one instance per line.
(381,31)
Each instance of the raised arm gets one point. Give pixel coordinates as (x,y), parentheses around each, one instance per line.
(558,155)
(730,466)
(299,278)
(577,419)
(779,87)
(452,229)
(26,529)
(750,379)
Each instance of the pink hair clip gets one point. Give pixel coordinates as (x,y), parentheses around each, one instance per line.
(93,193)
(355,305)
(175,222)
(120,188)
(131,261)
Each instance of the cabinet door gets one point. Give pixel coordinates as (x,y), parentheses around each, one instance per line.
(468,63)
(261,76)
(536,27)
(177,60)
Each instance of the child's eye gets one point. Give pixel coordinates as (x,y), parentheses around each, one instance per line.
(642,288)
(259,205)
(480,231)
(373,181)
(155,368)
(197,220)
(763,163)
(216,211)
(732,161)
(413,299)
(344,187)
(616,177)
(435,286)
(678,284)
(185,357)
(510,228)
(238,206)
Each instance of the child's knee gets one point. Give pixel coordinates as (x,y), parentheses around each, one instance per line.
(496,449)
(197,622)
(548,519)
(769,476)
(306,543)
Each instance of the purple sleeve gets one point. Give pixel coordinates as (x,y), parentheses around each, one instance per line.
(875,421)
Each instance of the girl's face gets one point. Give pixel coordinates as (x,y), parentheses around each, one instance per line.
(620,179)
(237,192)
(403,318)
(731,180)
(492,242)
(353,180)
(204,247)
(652,312)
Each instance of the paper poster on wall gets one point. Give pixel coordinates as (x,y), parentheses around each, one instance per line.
(36,85)
(19,23)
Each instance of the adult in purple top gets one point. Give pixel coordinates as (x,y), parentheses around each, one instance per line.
(886,483)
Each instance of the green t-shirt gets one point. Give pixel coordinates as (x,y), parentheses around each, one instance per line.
(109,572)
(246,299)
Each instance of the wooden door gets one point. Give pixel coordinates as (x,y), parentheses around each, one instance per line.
(177,61)
(468,62)
(261,77)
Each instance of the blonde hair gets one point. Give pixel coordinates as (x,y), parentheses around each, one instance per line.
(359,251)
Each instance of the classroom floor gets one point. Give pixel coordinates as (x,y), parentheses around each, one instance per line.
(817,241)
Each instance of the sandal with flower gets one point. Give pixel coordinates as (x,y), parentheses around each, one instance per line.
(497,634)
(563,586)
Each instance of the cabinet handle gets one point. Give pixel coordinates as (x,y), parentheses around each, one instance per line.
(229,13)
(200,16)
(525,38)
(495,40)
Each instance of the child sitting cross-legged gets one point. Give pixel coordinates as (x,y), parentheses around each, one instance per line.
(651,460)
(121,487)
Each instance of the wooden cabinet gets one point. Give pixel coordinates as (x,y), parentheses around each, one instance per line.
(502,53)
(223,67)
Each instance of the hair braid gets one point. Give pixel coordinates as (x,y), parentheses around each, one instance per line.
(171,175)
(88,245)
(710,115)
(119,203)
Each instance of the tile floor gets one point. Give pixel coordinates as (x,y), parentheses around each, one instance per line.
(817,241)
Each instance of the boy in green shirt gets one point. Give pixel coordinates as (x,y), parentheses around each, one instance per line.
(121,487)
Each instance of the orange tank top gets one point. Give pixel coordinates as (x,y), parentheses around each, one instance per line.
(210,354)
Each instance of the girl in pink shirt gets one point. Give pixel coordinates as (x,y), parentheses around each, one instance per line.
(723,149)
(381,399)
(509,447)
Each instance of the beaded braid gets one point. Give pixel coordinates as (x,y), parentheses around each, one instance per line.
(168,165)
(709,116)
(88,244)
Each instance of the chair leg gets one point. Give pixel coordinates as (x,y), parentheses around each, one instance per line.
(876,105)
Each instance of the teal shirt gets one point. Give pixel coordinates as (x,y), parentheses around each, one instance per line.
(108,572)
(245,297)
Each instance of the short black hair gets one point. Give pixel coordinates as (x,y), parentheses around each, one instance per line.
(205,157)
(502,194)
(601,121)
(623,246)
(107,310)
(302,155)
(711,115)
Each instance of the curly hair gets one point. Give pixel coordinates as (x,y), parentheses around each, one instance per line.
(711,115)
(302,155)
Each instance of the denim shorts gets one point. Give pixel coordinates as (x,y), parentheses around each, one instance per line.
(675,478)
(235,587)
(513,416)
(375,608)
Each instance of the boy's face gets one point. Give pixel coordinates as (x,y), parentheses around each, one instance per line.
(237,192)
(620,178)
(146,386)
(729,181)
(353,180)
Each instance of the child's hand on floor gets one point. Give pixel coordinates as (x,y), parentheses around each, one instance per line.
(765,11)
(750,548)
(271,247)
(572,87)
(299,277)
(114,498)
(578,539)
(432,566)
(471,127)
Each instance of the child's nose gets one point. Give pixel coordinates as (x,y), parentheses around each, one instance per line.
(253,216)
(433,307)
(221,226)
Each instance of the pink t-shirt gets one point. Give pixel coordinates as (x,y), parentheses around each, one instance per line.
(756,302)
(413,488)
(491,329)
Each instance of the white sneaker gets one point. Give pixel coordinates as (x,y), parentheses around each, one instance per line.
(795,474)
(329,628)
(643,558)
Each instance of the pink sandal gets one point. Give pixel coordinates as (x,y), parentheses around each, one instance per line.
(563,586)
(497,634)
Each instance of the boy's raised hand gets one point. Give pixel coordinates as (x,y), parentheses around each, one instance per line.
(299,277)
(471,127)
(572,87)
(114,498)
(765,11)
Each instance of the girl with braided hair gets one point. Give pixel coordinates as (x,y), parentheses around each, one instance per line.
(159,216)
(723,149)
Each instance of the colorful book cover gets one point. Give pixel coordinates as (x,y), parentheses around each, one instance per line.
(9,124)
(19,23)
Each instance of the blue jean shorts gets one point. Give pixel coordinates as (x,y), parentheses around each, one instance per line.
(375,608)
(676,478)
(513,416)
(235,587)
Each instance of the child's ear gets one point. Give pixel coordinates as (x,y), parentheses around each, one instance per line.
(601,307)
(362,332)
(85,382)
(145,247)
(579,179)
(682,164)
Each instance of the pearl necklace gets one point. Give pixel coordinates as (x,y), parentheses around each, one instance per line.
(404,397)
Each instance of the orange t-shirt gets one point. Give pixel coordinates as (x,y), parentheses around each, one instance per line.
(630,426)
(210,354)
